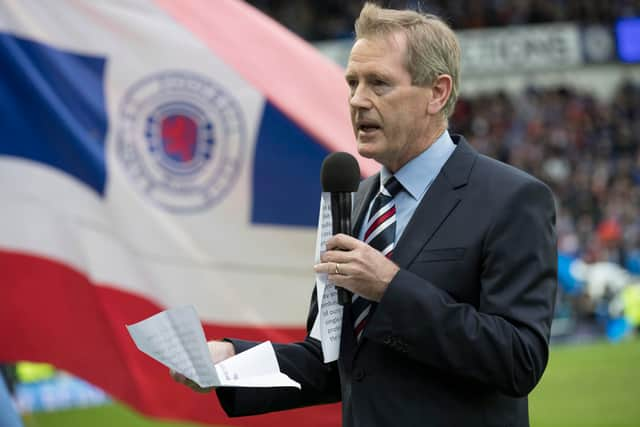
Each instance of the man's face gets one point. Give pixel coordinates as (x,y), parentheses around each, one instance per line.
(388,113)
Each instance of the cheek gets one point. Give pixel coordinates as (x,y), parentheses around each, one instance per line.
(396,128)
(408,120)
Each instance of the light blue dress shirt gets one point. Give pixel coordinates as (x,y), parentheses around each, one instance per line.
(416,177)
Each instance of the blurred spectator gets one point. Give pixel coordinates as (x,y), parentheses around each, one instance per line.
(586,150)
(331,19)
(8,414)
(9,375)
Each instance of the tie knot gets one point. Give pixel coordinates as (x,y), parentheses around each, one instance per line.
(393,186)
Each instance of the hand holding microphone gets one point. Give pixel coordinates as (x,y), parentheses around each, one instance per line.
(340,176)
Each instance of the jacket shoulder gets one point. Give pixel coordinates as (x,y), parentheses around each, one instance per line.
(501,175)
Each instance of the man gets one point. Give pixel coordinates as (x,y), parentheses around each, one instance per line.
(454,269)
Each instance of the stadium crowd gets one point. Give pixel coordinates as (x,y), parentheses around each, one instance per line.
(585,149)
(330,19)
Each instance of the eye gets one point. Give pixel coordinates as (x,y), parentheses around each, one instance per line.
(380,86)
(352,83)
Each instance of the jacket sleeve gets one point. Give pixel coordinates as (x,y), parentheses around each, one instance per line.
(301,361)
(503,342)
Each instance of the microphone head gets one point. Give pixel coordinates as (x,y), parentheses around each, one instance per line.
(340,173)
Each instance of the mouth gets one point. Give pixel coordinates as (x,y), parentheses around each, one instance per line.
(366,127)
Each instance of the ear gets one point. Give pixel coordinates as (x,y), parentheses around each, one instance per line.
(440,92)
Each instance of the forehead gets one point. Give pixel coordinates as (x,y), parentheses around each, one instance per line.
(381,52)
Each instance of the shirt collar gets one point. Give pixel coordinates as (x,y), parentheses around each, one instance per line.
(419,172)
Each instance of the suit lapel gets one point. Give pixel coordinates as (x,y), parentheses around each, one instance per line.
(437,204)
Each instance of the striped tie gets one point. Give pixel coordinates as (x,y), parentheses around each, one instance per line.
(380,234)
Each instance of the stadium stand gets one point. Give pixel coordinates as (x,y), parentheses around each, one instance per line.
(583,148)
(329,19)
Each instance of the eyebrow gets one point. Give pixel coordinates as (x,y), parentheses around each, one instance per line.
(371,75)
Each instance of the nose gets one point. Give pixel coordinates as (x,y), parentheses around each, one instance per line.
(359,98)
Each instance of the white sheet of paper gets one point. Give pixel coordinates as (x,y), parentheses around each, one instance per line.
(175,338)
(256,367)
(328,324)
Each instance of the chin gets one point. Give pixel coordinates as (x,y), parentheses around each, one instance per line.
(367,150)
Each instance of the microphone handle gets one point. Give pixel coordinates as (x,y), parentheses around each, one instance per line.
(341,222)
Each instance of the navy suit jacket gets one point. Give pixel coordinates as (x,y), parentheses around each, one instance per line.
(461,334)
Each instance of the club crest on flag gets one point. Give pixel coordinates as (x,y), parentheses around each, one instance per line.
(181,139)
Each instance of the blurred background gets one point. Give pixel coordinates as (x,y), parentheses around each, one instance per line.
(553,88)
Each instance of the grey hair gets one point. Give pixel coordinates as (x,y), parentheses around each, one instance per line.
(432,46)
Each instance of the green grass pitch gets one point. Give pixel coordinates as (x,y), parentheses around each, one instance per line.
(591,385)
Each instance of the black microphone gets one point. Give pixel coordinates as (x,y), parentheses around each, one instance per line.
(340,176)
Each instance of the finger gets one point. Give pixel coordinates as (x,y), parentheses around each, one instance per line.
(342,242)
(340,280)
(195,387)
(181,378)
(189,383)
(332,268)
(337,279)
(176,376)
(340,257)
(325,267)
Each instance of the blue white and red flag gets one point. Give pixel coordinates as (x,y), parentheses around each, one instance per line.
(154,154)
